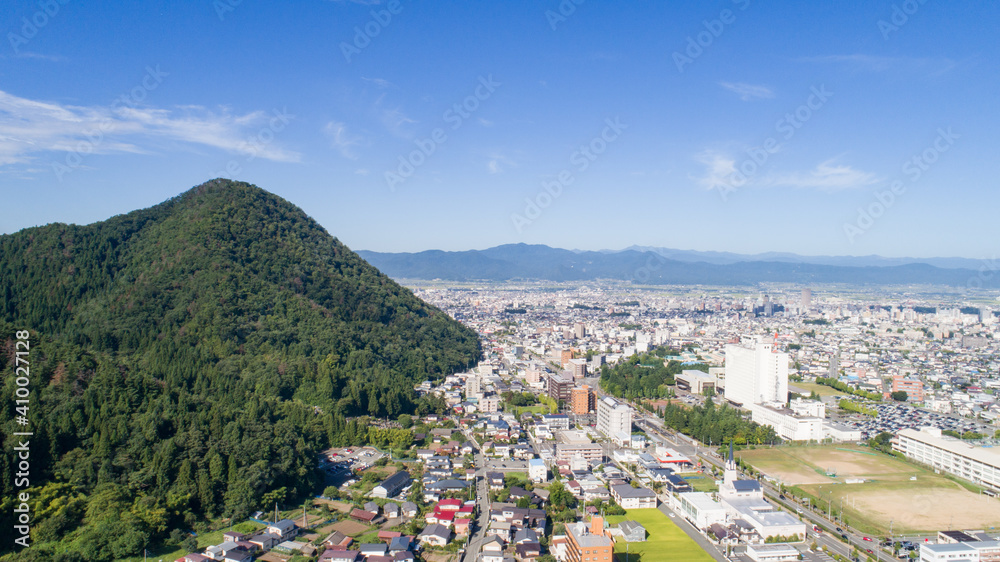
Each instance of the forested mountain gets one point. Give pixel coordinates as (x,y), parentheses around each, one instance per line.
(660,267)
(188,358)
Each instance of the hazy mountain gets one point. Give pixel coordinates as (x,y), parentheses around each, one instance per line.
(661,266)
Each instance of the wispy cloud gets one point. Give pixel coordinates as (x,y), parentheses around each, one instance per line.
(932,66)
(342,140)
(748,92)
(30,127)
(34,56)
(498,162)
(826,176)
(722,172)
(380,82)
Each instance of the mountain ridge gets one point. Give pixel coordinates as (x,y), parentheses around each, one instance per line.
(639,265)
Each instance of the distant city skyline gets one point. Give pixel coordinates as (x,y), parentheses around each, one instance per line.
(733,126)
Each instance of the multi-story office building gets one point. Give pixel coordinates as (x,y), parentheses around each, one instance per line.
(756,372)
(559,386)
(914,388)
(978,465)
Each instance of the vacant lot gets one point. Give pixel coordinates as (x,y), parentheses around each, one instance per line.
(351,528)
(913,498)
(664,539)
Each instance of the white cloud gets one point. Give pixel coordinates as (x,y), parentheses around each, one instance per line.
(342,139)
(380,82)
(719,170)
(748,92)
(29,128)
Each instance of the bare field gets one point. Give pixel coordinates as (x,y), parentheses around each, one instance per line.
(351,528)
(929,503)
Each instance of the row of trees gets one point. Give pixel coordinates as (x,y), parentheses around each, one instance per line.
(843,387)
(709,423)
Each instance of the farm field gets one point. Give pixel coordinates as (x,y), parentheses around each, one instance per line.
(665,540)
(912,497)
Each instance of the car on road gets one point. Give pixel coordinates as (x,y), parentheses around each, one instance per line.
(839,530)
(869,539)
(844,536)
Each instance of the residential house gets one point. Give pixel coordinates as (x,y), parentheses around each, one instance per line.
(435,535)
(284,529)
(632,531)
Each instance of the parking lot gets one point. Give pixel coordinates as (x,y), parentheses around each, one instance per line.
(340,464)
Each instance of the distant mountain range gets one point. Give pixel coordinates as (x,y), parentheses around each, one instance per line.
(666,266)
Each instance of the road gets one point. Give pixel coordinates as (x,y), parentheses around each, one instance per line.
(478,534)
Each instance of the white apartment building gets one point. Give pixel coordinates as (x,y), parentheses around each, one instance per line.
(927,446)
(613,417)
(756,372)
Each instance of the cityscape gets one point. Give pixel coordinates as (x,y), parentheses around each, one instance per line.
(520,281)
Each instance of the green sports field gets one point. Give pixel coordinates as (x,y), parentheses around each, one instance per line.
(664,539)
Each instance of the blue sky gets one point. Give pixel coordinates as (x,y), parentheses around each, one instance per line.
(744,126)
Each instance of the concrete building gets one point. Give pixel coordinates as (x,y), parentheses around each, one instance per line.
(588,544)
(473,386)
(756,372)
(613,417)
(559,387)
(700,509)
(592,453)
(537,471)
(489,404)
(695,382)
(978,465)
(578,367)
(786,423)
(581,400)
(914,388)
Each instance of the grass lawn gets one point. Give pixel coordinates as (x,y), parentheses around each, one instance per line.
(700,482)
(820,389)
(664,541)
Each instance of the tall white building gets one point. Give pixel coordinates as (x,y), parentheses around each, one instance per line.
(614,419)
(756,372)
(473,386)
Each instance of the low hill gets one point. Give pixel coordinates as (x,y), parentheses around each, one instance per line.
(189,358)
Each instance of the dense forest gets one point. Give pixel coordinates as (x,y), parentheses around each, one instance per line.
(645,375)
(189,358)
